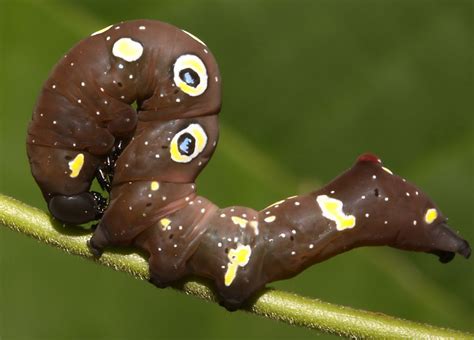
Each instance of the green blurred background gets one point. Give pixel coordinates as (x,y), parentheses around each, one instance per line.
(308,85)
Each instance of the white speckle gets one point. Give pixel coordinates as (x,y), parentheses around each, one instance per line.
(385,222)
(244,215)
(203,211)
(102,89)
(222,215)
(293,231)
(386,199)
(332,191)
(55,122)
(54,86)
(122,97)
(146,142)
(367,215)
(144,215)
(159,249)
(282,235)
(41,115)
(149,195)
(236,239)
(311,246)
(293,253)
(108,37)
(175,246)
(219,244)
(97,113)
(142,28)
(216,79)
(404,180)
(414,222)
(232,210)
(199,201)
(106,102)
(363,197)
(374,177)
(191,203)
(180,227)
(178,100)
(407,193)
(157,156)
(161,95)
(229,240)
(120,66)
(205,51)
(297,203)
(223,267)
(74,144)
(79,101)
(270,240)
(270,219)
(163,198)
(200,163)
(416,193)
(118,27)
(130,76)
(126,165)
(83,84)
(72,64)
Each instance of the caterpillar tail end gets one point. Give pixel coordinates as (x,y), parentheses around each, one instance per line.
(449,243)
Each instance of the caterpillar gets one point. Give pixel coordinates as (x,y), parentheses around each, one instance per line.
(149,161)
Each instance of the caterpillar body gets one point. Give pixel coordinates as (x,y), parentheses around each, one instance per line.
(158,152)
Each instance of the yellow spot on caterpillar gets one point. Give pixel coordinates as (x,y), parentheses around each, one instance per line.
(431,215)
(165,222)
(238,257)
(332,209)
(242,222)
(387,170)
(76,165)
(154,186)
(254,226)
(102,30)
(270,219)
(127,49)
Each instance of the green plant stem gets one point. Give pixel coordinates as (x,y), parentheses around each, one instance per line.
(271,303)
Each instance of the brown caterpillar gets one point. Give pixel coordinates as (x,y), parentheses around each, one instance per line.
(153,202)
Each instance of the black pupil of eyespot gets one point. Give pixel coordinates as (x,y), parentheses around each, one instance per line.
(186,144)
(190,77)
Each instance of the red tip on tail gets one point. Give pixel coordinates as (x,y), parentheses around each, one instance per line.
(369,157)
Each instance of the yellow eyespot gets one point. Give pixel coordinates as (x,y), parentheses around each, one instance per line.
(190,75)
(431,215)
(188,143)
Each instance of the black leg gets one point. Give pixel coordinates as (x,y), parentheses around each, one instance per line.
(78,209)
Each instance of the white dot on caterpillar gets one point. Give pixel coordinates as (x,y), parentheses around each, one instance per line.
(374,177)
(270,219)
(293,231)
(168,227)
(407,193)
(106,102)
(236,239)
(367,215)
(130,207)
(200,163)
(120,66)
(180,227)
(311,246)
(122,97)
(175,245)
(297,203)
(363,197)
(53,86)
(144,214)
(162,95)
(222,215)
(293,253)
(386,199)
(232,210)
(416,193)
(72,64)
(199,201)
(159,249)
(216,79)
(102,89)
(414,222)
(83,84)
(79,101)
(126,165)
(205,51)
(178,100)
(118,27)
(267,212)
(163,198)
(244,215)
(157,156)
(150,195)
(146,142)
(203,211)
(108,37)
(55,122)
(385,222)
(282,235)
(97,113)
(142,28)
(130,76)
(333,192)
(270,240)
(74,144)
(229,239)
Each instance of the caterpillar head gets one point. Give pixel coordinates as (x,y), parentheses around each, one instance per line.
(389,210)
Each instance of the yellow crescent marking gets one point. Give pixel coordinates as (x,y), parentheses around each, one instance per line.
(431,215)
(242,222)
(165,222)
(238,257)
(332,209)
(76,165)
(127,49)
(102,30)
(154,186)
